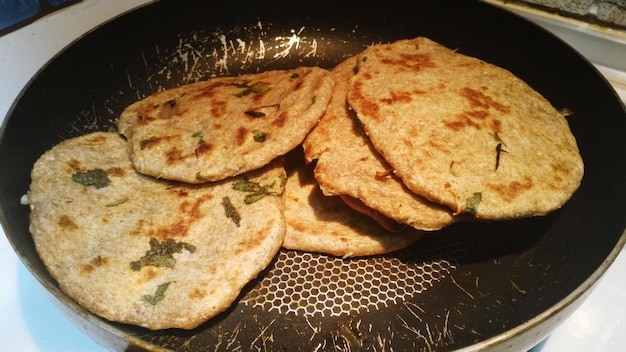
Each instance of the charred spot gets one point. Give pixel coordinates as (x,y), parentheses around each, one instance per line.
(86,269)
(218,108)
(204,148)
(173,155)
(281,120)
(463,120)
(298,85)
(147,275)
(398,97)
(241,135)
(496,125)
(139,228)
(197,294)
(74,165)
(93,264)
(480,100)
(67,223)
(368,107)
(477,114)
(413,62)
(115,171)
(178,229)
(510,191)
(180,192)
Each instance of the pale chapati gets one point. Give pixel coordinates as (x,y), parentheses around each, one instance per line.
(152,253)
(348,166)
(325,224)
(214,129)
(463,132)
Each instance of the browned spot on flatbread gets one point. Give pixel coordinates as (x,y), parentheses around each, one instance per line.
(482,101)
(414,62)
(397,97)
(192,213)
(176,230)
(510,191)
(197,294)
(67,223)
(480,114)
(115,171)
(241,134)
(281,120)
(204,148)
(174,155)
(147,274)
(218,108)
(96,262)
(73,165)
(368,107)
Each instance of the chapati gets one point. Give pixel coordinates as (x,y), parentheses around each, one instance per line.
(463,132)
(348,166)
(148,252)
(325,224)
(224,126)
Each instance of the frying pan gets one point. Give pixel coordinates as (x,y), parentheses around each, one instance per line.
(479,286)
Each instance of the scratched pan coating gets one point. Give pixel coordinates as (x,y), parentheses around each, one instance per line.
(473,286)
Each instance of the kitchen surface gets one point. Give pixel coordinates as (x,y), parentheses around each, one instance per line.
(30,322)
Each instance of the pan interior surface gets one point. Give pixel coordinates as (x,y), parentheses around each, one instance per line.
(455,288)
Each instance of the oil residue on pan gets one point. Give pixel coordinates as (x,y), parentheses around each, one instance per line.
(204,54)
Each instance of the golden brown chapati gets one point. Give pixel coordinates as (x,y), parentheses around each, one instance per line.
(157,254)
(348,166)
(214,129)
(319,223)
(463,132)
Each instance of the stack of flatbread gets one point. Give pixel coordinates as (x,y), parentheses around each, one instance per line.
(162,223)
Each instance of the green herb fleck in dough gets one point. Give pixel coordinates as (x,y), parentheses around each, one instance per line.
(256,190)
(96,177)
(199,177)
(118,202)
(295,75)
(161,254)
(255,114)
(259,136)
(231,211)
(471,204)
(199,136)
(159,294)
(497,138)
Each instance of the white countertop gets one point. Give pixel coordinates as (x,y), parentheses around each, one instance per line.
(31,323)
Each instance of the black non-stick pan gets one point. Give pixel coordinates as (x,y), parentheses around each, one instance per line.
(500,286)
